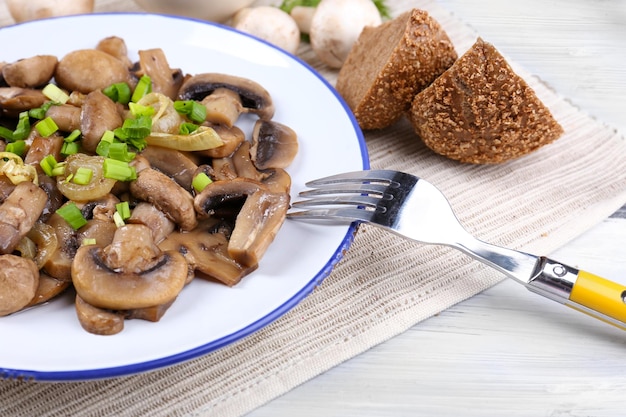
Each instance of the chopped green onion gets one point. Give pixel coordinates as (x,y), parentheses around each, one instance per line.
(6,134)
(69,178)
(140,110)
(123,209)
(88,241)
(118,170)
(117,219)
(118,92)
(40,112)
(69,148)
(200,181)
(195,111)
(143,88)
(137,128)
(47,164)
(55,94)
(186,128)
(18,147)
(105,142)
(82,176)
(72,136)
(46,127)
(23,127)
(119,151)
(59,169)
(72,215)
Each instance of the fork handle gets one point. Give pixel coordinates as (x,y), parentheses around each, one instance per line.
(582,291)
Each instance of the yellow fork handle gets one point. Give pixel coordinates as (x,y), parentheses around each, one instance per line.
(599,295)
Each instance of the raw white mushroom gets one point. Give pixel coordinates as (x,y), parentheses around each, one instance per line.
(303,15)
(23,10)
(337,24)
(270,24)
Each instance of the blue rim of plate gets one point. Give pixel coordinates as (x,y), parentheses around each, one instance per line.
(153,365)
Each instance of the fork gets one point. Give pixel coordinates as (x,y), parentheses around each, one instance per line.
(415,209)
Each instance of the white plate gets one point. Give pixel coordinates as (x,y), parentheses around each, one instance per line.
(47,343)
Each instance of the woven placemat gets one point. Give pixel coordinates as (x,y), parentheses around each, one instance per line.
(384,284)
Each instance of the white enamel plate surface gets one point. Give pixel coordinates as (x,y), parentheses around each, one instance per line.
(47,343)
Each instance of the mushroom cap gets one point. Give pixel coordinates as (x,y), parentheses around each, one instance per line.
(333,35)
(271,24)
(86,70)
(254,98)
(99,114)
(98,320)
(19,278)
(19,212)
(103,287)
(30,72)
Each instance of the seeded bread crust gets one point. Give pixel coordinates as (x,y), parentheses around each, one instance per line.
(390,63)
(480,111)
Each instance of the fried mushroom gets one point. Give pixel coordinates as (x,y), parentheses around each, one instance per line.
(19,278)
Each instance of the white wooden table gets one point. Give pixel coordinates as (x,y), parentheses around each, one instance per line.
(507,352)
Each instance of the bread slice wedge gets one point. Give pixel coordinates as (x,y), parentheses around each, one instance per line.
(480,111)
(390,63)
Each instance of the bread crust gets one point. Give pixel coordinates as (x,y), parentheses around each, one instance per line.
(390,63)
(480,111)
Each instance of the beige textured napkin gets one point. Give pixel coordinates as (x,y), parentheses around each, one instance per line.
(384,284)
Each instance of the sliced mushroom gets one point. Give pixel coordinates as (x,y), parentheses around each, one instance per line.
(206,250)
(47,289)
(87,70)
(258,220)
(112,277)
(164,193)
(148,215)
(175,164)
(274,145)
(165,80)
(275,179)
(231,136)
(66,117)
(19,278)
(19,212)
(42,147)
(96,320)
(116,47)
(14,100)
(99,114)
(30,72)
(152,314)
(249,96)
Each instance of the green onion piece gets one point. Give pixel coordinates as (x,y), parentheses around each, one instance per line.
(186,128)
(200,181)
(55,94)
(105,142)
(46,127)
(69,178)
(118,170)
(69,148)
(143,88)
(40,112)
(59,169)
(18,147)
(119,151)
(123,209)
(118,92)
(137,128)
(6,134)
(117,219)
(72,215)
(47,164)
(72,136)
(140,110)
(22,129)
(195,111)
(82,176)
(88,241)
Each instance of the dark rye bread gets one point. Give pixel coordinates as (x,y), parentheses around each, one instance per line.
(480,111)
(390,63)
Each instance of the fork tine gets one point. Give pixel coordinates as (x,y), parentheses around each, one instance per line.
(385,176)
(356,200)
(352,188)
(340,214)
